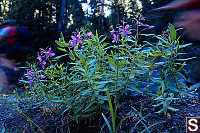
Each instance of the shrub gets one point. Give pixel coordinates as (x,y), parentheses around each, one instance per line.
(122,66)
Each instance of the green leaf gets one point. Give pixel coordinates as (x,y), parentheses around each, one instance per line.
(91,109)
(62,37)
(71,55)
(111,110)
(180,75)
(58,57)
(161,39)
(84,31)
(58,101)
(62,49)
(185,45)
(157,123)
(3,129)
(160,111)
(107,123)
(157,105)
(97,36)
(104,82)
(160,63)
(100,87)
(195,86)
(156,80)
(172,32)
(92,62)
(104,98)
(66,109)
(139,71)
(112,67)
(103,39)
(173,109)
(133,88)
(88,106)
(186,59)
(61,44)
(92,72)
(77,68)
(78,81)
(171,98)
(158,98)
(132,76)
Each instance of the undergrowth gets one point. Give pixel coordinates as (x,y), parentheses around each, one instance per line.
(99,73)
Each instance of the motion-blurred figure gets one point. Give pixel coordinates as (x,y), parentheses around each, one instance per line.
(14,47)
(189,20)
(13,40)
(189,4)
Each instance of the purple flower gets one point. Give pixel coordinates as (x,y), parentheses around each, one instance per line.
(39,77)
(125,31)
(116,38)
(31,82)
(78,38)
(34,74)
(151,27)
(112,32)
(30,75)
(39,57)
(75,40)
(73,43)
(89,35)
(49,53)
(43,63)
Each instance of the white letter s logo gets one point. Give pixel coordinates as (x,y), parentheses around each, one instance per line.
(193,124)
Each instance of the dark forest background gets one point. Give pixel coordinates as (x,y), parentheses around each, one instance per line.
(46,18)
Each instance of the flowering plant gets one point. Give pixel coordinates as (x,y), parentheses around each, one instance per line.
(95,67)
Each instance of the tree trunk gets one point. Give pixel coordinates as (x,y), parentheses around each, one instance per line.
(60,23)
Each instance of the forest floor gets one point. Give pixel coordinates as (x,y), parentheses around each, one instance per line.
(15,121)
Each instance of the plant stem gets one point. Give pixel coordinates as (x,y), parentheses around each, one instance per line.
(111,111)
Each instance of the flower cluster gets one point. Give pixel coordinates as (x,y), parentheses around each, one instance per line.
(124,31)
(48,54)
(31,76)
(76,38)
(116,37)
(43,63)
(89,35)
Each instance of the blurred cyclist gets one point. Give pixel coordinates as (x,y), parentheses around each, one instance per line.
(190,19)
(13,40)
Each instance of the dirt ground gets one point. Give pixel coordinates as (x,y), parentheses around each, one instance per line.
(173,122)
